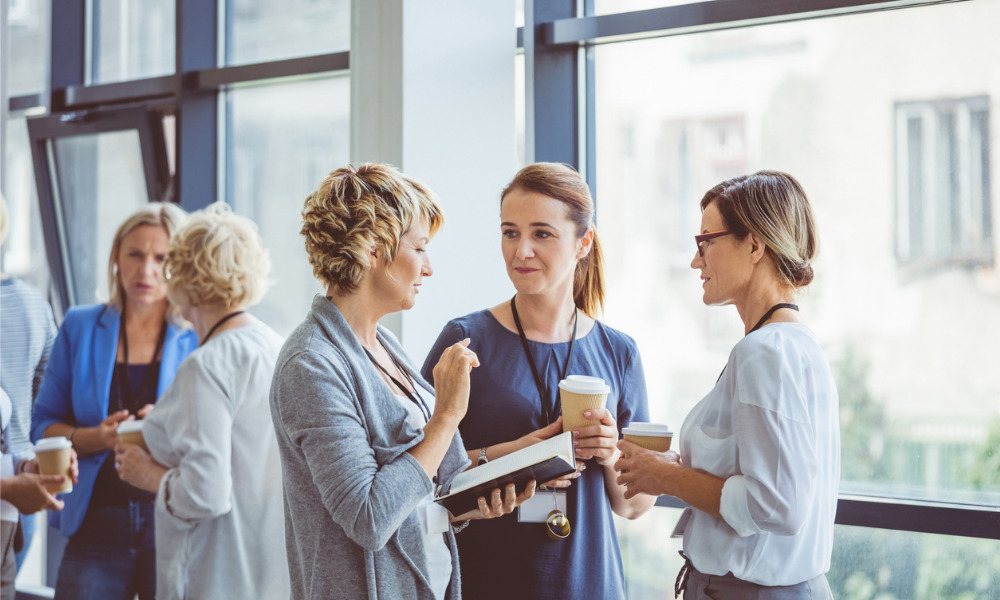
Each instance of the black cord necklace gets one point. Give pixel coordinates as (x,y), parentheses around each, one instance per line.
(543,390)
(125,391)
(414,395)
(761,322)
(219,324)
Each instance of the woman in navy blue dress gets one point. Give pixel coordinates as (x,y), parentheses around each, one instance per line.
(526,345)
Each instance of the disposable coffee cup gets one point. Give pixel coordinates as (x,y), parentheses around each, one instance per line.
(578,393)
(651,436)
(130,432)
(55,456)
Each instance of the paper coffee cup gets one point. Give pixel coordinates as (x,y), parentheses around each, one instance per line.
(578,393)
(651,436)
(130,432)
(54,457)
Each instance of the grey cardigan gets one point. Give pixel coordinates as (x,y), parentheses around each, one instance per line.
(350,486)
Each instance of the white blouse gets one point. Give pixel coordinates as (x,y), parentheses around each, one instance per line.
(219,511)
(433,516)
(770,427)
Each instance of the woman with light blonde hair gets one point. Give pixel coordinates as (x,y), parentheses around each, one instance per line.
(109,364)
(527,344)
(213,459)
(365,441)
(759,457)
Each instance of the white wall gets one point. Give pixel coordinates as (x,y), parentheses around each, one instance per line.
(432,91)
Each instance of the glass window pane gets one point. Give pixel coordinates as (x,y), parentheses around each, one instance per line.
(28,25)
(133,39)
(101,181)
(875,143)
(264,30)
(24,250)
(285,139)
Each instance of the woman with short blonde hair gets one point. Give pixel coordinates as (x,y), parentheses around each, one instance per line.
(365,441)
(213,459)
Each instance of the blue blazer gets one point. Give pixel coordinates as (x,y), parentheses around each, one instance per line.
(77,383)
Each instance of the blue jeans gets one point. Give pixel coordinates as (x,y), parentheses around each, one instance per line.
(28,529)
(112,556)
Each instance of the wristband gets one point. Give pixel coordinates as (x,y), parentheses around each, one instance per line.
(70,434)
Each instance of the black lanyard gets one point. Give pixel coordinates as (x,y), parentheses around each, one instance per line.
(543,390)
(219,324)
(761,322)
(128,393)
(414,396)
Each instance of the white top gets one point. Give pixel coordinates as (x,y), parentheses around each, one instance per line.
(433,516)
(219,511)
(771,428)
(7,511)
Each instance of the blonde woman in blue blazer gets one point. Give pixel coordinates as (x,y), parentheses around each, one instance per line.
(109,364)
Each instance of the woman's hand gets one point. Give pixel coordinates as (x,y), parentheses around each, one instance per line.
(108,429)
(144,411)
(74,466)
(29,494)
(137,467)
(498,507)
(451,379)
(647,472)
(597,441)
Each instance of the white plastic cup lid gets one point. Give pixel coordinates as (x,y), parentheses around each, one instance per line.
(129,426)
(648,429)
(52,443)
(584,384)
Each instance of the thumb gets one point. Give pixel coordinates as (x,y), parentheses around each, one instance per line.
(51,479)
(551,430)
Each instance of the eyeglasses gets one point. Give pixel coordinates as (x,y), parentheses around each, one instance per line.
(699,239)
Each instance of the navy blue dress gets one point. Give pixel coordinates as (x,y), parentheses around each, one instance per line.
(501,558)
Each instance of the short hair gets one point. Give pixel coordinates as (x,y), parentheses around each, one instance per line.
(356,210)
(158,214)
(217,259)
(773,206)
(563,183)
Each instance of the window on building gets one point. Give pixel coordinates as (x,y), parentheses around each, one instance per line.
(943,183)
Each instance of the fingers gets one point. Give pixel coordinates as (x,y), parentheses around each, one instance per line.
(117,417)
(601,414)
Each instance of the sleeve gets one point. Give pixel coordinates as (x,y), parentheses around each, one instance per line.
(452,332)
(50,340)
(634,402)
(320,415)
(196,414)
(778,462)
(54,403)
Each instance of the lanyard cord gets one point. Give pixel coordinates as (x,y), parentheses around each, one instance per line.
(761,322)
(543,390)
(219,324)
(127,392)
(414,396)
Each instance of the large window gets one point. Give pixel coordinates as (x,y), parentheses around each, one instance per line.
(885,119)
(276,158)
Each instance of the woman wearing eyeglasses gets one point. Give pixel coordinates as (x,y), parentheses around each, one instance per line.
(526,345)
(759,456)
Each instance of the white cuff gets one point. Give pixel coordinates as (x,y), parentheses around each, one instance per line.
(734,508)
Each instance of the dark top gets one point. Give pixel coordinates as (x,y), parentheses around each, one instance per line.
(109,489)
(502,558)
